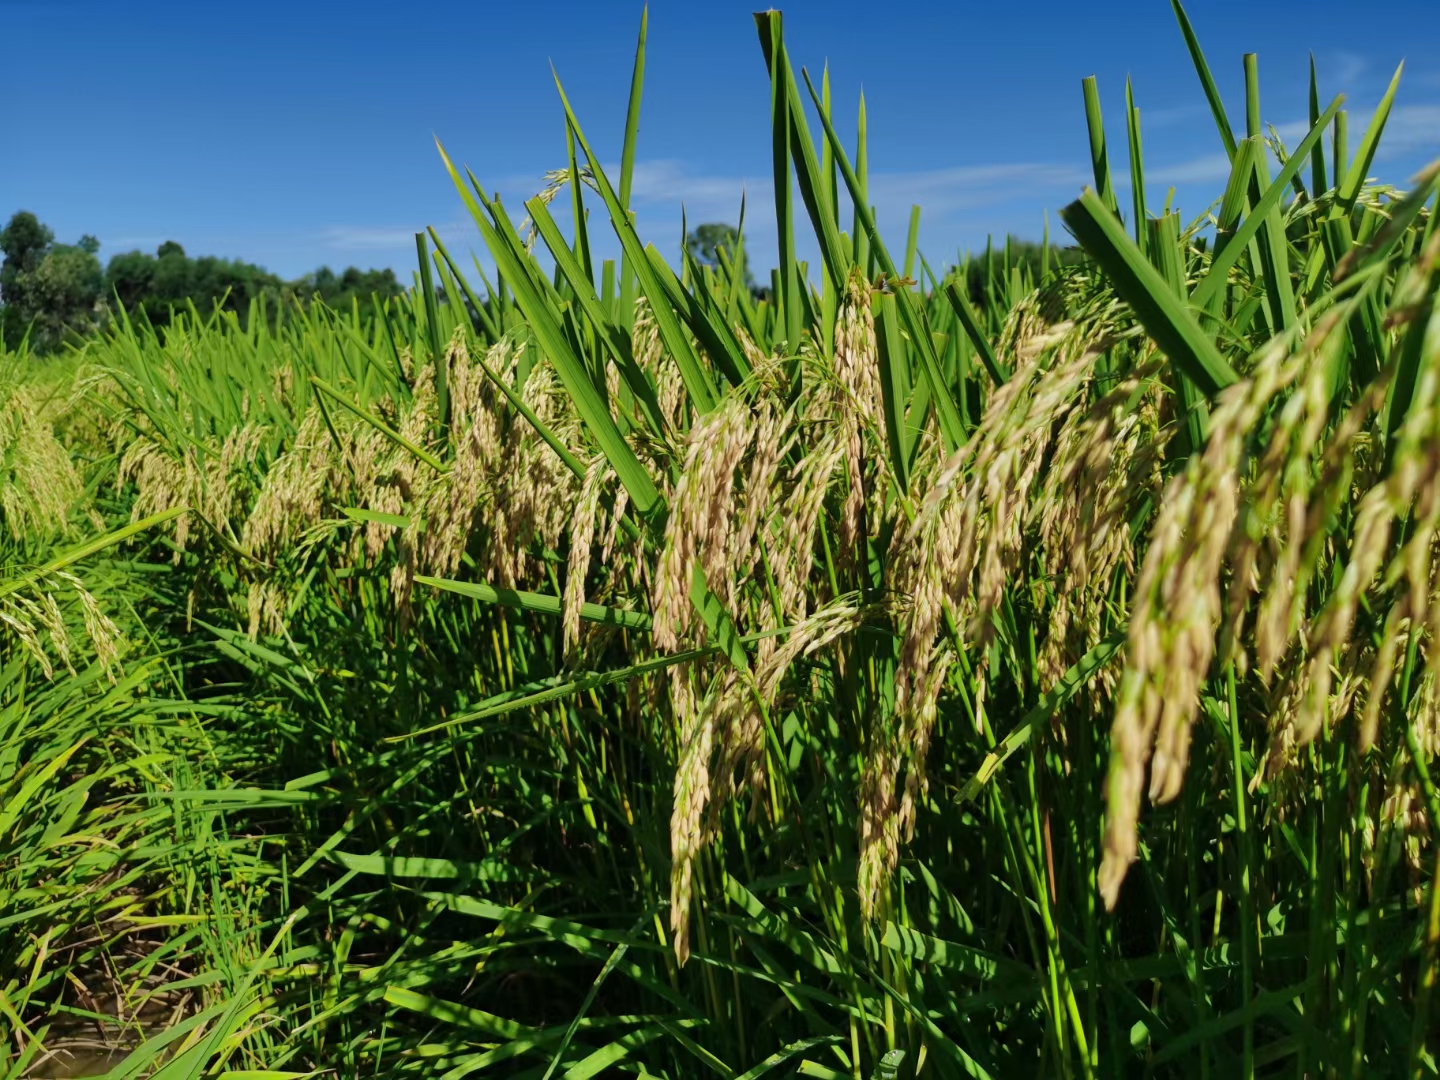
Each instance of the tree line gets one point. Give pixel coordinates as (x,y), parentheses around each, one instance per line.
(53,292)
(56,292)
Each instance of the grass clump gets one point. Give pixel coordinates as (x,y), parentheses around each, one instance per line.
(1017,670)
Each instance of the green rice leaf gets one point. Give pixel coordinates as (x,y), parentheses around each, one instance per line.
(1235,243)
(447,1012)
(785,1053)
(420,453)
(537,602)
(952,426)
(544,322)
(677,343)
(1164,316)
(1207,81)
(615,338)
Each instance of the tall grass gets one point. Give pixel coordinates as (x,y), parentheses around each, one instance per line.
(984,673)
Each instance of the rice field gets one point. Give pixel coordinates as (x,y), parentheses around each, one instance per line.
(596,667)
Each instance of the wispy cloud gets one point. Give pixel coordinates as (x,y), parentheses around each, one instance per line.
(385,237)
(944,191)
(957,201)
(1204,169)
(1346,68)
(130,243)
(1412,129)
(1292,131)
(1156,119)
(671,183)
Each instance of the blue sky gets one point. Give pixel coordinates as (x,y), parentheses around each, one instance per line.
(296,134)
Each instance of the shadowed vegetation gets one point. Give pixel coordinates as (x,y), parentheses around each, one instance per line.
(1026,667)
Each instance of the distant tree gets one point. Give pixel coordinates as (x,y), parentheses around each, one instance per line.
(65,290)
(25,242)
(988,268)
(129,277)
(705,243)
(53,291)
(48,289)
(170,285)
(170,281)
(352,284)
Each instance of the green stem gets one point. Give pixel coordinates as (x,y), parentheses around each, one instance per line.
(1430,961)
(1247,900)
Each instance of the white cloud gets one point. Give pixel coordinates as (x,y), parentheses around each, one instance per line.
(664,183)
(1292,131)
(131,243)
(1348,68)
(383,237)
(1205,169)
(1412,129)
(958,203)
(939,191)
(1156,119)
(672,182)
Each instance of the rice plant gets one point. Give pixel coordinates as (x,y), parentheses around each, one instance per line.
(986,673)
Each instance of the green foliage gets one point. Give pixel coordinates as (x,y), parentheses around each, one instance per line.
(24,241)
(987,275)
(352,285)
(706,242)
(64,293)
(739,685)
(48,290)
(58,293)
(169,281)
